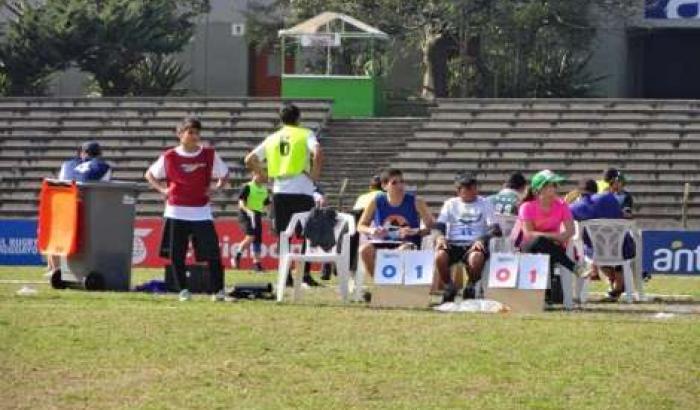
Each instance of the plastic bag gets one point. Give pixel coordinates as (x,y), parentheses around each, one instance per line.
(473,306)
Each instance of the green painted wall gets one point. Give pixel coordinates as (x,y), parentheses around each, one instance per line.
(352,97)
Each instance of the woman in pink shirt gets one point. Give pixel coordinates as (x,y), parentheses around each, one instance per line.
(545,221)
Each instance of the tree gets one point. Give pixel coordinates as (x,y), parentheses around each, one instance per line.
(36,45)
(472,48)
(114,40)
(120,34)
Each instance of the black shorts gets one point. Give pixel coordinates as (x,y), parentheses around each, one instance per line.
(177,234)
(251,227)
(286,205)
(460,253)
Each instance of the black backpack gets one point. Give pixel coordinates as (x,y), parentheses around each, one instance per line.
(320,228)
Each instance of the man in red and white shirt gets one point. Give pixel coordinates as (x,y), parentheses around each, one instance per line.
(184,174)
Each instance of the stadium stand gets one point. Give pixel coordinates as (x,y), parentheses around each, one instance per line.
(655,143)
(37,134)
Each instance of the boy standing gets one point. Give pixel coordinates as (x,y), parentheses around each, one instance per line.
(184,175)
(252,200)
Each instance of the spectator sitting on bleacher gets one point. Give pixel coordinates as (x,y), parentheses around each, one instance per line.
(507,200)
(466,223)
(541,218)
(87,166)
(393,219)
(614,181)
(602,206)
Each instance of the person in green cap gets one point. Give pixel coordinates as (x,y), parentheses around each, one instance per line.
(545,221)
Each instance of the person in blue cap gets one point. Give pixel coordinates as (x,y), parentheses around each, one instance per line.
(87,166)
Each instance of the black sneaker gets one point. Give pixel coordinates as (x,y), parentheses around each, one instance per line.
(310,281)
(469,292)
(367,296)
(449,293)
(327,271)
(236,261)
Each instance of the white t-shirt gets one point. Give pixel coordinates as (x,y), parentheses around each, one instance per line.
(188,213)
(466,221)
(298,184)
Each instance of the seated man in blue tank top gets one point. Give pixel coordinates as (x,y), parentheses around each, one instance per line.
(393,219)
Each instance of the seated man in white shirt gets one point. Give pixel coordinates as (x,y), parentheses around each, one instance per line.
(467,223)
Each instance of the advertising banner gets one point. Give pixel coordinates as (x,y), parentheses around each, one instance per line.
(671,251)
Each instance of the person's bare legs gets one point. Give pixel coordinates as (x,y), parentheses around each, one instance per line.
(368,255)
(442,263)
(475,264)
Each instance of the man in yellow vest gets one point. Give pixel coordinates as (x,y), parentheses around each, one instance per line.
(294,160)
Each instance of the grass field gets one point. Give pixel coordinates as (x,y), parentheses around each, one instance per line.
(71,349)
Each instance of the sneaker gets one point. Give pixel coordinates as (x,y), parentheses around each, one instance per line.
(236,261)
(259,267)
(219,296)
(327,271)
(310,281)
(469,292)
(185,295)
(449,293)
(581,271)
(367,296)
(612,296)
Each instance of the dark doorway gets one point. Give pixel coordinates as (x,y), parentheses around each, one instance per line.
(670,63)
(265,72)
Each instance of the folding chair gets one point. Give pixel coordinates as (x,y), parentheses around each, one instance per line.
(316,254)
(607,239)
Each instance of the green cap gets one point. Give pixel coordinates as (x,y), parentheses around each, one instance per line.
(542,178)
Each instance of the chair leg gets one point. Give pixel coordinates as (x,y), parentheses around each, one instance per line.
(629,283)
(283,271)
(344,277)
(359,282)
(582,289)
(639,283)
(566,279)
(299,271)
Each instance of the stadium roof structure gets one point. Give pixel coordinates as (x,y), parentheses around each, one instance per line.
(321,24)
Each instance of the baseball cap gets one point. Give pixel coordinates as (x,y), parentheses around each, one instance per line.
(92,148)
(545,177)
(465,179)
(612,174)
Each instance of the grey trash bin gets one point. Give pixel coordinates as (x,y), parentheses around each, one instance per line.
(105,246)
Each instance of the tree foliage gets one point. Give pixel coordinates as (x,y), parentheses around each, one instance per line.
(472,48)
(112,40)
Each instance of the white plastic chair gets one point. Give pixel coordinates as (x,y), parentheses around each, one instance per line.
(607,240)
(506,222)
(316,254)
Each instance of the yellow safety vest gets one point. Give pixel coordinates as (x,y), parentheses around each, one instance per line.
(602,185)
(286,152)
(365,199)
(257,195)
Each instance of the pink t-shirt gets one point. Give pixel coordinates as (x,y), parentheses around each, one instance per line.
(550,220)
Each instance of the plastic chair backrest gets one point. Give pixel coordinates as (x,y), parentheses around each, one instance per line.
(342,220)
(607,237)
(506,222)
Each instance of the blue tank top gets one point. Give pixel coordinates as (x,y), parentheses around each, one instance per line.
(400,216)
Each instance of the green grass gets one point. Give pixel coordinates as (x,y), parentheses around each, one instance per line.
(72,349)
